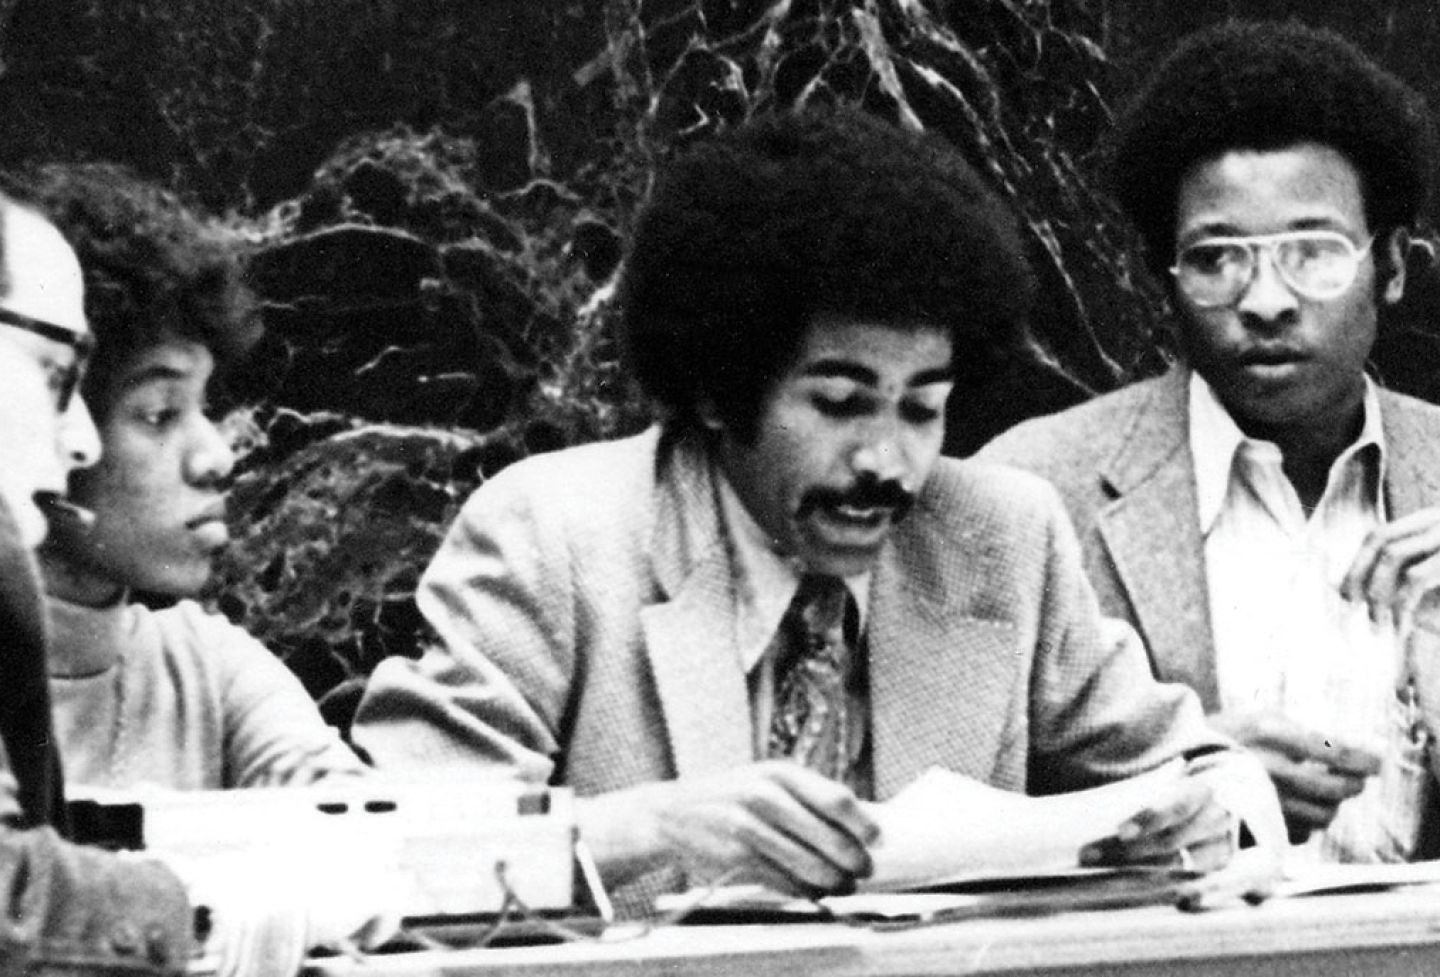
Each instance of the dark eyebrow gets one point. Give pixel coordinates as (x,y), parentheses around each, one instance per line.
(846,370)
(1222,229)
(1319,224)
(1210,230)
(154,373)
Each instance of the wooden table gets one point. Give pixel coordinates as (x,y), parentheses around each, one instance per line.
(1389,933)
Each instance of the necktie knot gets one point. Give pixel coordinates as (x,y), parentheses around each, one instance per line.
(817,617)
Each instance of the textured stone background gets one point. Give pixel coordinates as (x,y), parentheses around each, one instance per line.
(434,196)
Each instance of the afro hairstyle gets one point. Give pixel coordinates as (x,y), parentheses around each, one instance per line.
(758,232)
(154,269)
(1268,85)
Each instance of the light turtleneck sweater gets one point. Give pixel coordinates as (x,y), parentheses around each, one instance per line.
(180,698)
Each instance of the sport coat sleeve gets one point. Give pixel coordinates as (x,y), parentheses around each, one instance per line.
(81,910)
(493,691)
(77,910)
(1097,714)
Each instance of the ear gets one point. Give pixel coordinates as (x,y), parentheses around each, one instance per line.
(1397,250)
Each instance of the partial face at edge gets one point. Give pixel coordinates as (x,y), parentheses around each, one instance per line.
(845,440)
(39,446)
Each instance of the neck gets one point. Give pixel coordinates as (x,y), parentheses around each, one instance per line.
(78,585)
(1309,451)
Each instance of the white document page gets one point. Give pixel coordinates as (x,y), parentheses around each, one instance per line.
(1304,878)
(946,828)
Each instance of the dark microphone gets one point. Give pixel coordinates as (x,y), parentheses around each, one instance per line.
(61,511)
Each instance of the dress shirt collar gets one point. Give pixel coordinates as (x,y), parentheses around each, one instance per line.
(1215,439)
(765,581)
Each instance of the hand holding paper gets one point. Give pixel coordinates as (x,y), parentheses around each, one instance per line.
(947,828)
(1182,825)
(1217,793)
(774,823)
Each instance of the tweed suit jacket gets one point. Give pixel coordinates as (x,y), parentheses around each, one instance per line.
(1122,464)
(585,604)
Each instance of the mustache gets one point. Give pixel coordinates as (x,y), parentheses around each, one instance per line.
(867,493)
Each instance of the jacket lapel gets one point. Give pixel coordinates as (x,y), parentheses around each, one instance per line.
(689,637)
(941,680)
(1411,485)
(1411,482)
(1152,532)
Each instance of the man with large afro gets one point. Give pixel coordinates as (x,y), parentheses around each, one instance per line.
(728,632)
(1266,513)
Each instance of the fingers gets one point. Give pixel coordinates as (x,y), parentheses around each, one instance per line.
(1187,819)
(774,823)
(1314,783)
(810,827)
(1168,817)
(776,841)
(1397,565)
(1214,852)
(831,801)
(1251,875)
(1312,774)
(1348,760)
(1275,734)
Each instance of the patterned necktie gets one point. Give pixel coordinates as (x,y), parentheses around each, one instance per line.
(810,723)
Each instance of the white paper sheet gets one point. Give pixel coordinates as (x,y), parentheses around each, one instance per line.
(946,828)
(1303,878)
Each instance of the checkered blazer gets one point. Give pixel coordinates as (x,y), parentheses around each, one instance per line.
(585,605)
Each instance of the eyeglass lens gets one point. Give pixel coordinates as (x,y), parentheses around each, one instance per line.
(1217,272)
(67,379)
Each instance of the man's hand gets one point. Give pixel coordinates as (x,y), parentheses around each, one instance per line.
(1397,565)
(775,823)
(1185,825)
(1312,773)
(1252,875)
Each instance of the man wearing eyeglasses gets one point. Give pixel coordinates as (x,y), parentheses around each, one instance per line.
(79,909)
(1265,514)
(45,431)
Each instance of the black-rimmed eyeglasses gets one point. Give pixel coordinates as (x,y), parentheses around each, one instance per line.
(67,379)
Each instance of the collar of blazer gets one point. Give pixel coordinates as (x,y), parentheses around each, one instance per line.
(1155,433)
(1151,529)
(690,631)
(1412,453)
